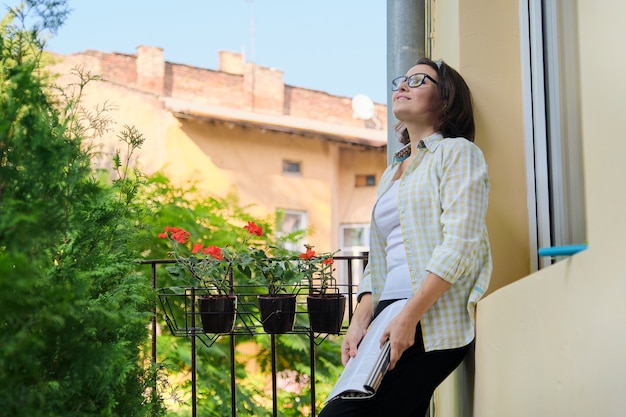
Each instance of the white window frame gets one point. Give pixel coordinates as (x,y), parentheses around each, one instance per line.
(551,113)
(304,224)
(347,250)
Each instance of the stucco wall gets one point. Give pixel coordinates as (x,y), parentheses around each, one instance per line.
(486,52)
(235,158)
(480,38)
(553,344)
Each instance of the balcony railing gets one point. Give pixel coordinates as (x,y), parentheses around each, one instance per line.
(248,324)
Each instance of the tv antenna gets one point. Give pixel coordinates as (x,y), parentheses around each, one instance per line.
(252,29)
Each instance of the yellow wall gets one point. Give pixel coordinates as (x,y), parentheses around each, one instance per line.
(226,157)
(250,162)
(554,343)
(486,52)
(480,38)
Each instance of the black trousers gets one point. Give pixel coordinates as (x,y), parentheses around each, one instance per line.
(407,389)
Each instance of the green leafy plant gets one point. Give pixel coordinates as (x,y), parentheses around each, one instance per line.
(277,273)
(317,270)
(74,307)
(210,267)
(213,268)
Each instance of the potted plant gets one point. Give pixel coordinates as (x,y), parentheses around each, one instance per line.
(325,304)
(279,274)
(211,269)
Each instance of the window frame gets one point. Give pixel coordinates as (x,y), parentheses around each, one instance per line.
(556,213)
(304,224)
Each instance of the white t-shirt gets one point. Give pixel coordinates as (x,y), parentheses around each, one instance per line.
(398,282)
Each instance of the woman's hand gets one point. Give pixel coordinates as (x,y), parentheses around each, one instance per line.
(351,341)
(401,334)
(361,319)
(401,330)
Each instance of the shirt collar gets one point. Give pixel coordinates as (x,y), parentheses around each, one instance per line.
(431,143)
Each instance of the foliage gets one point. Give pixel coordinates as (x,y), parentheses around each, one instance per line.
(275,272)
(317,270)
(219,221)
(214,267)
(74,308)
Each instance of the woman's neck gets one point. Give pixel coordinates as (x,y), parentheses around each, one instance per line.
(419,132)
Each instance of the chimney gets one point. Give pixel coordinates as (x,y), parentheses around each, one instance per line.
(231,62)
(150,69)
(264,89)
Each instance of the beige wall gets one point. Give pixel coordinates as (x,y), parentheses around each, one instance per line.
(554,343)
(480,38)
(250,162)
(486,52)
(228,156)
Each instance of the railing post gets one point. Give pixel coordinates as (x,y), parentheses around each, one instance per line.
(193,353)
(233,391)
(274,393)
(312,365)
(154,319)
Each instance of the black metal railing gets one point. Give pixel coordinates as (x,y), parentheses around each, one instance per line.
(186,325)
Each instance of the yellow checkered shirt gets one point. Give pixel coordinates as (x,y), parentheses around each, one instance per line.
(442,203)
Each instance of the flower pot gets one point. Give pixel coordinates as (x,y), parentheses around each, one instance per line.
(278,312)
(217,313)
(326,312)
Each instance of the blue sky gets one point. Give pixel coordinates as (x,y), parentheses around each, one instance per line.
(337,46)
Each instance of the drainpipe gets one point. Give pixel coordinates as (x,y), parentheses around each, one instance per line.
(406,42)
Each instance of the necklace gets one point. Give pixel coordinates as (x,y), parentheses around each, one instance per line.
(405,152)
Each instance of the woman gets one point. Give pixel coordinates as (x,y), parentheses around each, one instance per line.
(428,244)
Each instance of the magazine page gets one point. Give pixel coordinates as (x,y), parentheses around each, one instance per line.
(363,373)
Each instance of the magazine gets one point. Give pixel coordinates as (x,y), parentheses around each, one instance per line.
(363,374)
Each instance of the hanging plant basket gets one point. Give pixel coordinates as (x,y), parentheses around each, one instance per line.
(278,312)
(217,312)
(326,312)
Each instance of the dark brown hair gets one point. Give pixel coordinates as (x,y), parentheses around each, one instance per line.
(457,116)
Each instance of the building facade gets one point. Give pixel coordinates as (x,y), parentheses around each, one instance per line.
(308,154)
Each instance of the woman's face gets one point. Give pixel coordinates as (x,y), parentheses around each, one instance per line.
(417,104)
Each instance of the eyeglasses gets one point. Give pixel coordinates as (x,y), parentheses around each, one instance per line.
(412,81)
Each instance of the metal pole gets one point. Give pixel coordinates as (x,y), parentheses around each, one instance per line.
(193,353)
(233,391)
(274,392)
(350,292)
(154,318)
(312,364)
(406,42)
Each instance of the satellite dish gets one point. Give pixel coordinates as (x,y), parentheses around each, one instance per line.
(363,107)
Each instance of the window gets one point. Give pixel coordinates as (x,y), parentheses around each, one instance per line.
(291,167)
(353,240)
(552,130)
(289,222)
(365,180)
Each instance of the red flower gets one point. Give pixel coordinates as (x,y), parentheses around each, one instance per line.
(181,236)
(196,248)
(254,229)
(214,251)
(176,233)
(309,254)
(328,261)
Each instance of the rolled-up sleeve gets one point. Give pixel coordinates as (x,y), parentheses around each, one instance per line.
(463,189)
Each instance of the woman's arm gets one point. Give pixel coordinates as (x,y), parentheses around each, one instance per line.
(401,330)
